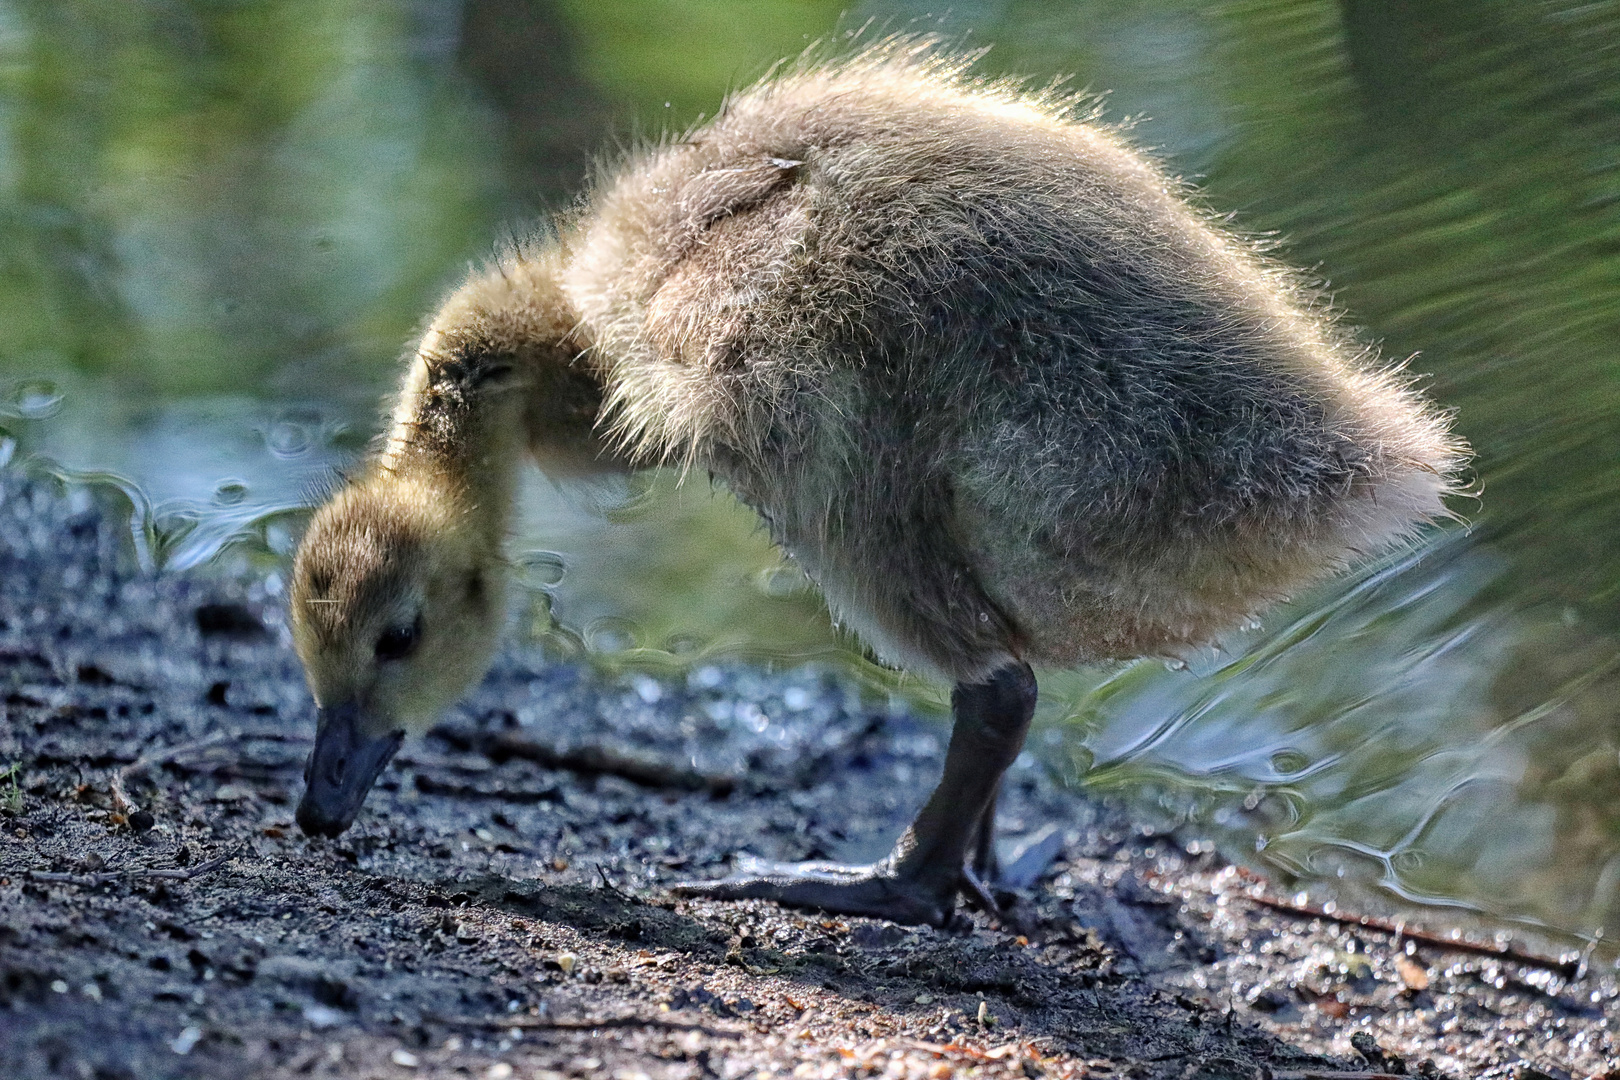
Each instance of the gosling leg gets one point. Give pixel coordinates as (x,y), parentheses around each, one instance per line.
(979,875)
(984,842)
(919,880)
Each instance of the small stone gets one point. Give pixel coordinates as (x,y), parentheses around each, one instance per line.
(924,999)
(321,1017)
(566,961)
(58,986)
(498,1071)
(404,1059)
(183,1043)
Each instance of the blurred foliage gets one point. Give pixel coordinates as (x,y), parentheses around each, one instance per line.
(219,221)
(207,196)
(669,62)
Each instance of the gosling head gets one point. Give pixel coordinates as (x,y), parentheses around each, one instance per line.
(397,601)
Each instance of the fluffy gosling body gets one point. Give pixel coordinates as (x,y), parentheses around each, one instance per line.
(978,365)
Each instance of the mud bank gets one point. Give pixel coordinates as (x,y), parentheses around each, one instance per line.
(501,910)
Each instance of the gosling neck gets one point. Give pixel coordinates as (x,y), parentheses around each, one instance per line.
(499,371)
(458,430)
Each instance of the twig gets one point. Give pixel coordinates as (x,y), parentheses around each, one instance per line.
(106,876)
(957,1049)
(598,760)
(1567,969)
(537,1023)
(121,802)
(607,884)
(589,760)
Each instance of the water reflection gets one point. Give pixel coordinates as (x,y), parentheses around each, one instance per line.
(221,223)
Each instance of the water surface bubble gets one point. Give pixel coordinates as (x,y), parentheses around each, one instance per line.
(1289,761)
(683,645)
(540,569)
(287,437)
(36,399)
(1407,861)
(610,635)
(230,492)
(560,644)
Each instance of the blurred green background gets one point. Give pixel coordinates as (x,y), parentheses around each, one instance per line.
(222,221)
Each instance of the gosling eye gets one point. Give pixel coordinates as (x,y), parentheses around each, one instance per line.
(398,642)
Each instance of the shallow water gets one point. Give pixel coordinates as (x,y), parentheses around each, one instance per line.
(221,223)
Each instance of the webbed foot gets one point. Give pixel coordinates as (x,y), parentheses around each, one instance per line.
(919,881)
(878,890)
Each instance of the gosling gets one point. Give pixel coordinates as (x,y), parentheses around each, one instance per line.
(979,366)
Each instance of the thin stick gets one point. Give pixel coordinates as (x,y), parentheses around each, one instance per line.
(1568,969)
(121,802)
(600,760)
(106,876)
(607,884)
(535,1023)
(956,1049)
(590,761)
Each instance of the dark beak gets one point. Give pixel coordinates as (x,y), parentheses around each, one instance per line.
(341,770)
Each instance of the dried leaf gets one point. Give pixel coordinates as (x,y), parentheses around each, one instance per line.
(1412,973)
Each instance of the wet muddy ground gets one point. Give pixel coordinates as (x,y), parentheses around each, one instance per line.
(501,911)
